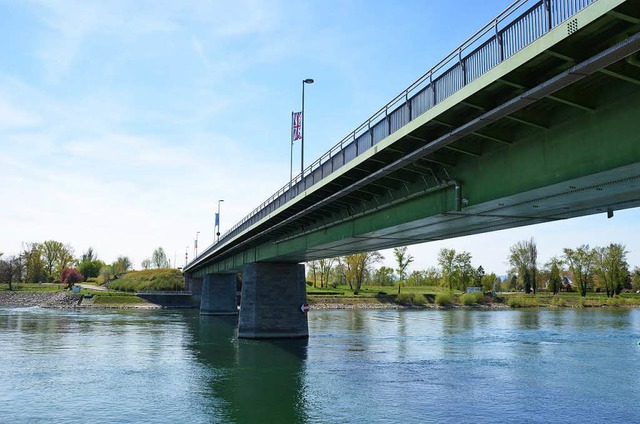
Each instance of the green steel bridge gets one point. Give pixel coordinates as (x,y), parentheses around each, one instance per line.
(534,118)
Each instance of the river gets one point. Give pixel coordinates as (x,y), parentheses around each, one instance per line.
(358,366)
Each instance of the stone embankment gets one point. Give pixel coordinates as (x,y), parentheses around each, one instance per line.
(44,299)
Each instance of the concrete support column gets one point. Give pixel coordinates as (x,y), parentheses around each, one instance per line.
(272,294)
(193,284)
(218,295)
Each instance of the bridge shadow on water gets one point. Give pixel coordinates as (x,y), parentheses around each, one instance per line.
(250,381)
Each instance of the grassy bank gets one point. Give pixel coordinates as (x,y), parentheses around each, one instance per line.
(431,296)
(164,279)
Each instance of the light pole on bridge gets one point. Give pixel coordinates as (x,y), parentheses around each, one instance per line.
(304,81)
(217,223)
(195,246)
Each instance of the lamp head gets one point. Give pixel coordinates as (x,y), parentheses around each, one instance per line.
(308,81)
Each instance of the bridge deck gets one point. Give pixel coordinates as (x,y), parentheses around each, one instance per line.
(421,132)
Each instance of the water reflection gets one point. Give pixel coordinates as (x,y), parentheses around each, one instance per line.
(250,381)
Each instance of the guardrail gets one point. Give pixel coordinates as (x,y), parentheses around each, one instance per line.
(492,44)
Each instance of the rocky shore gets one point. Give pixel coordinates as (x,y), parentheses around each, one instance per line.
(43,299)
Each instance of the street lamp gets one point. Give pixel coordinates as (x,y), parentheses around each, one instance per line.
(304,81)
(195,246)
(218,219)
(186,255)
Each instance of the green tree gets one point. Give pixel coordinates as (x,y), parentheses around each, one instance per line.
(383,276)
(523,257)
(325,267)
(34,266)
(159,259)
(488,282)
(635,279)
(581,262)
(464,271)
(477,278)
(446,260)
(121,265)
(555,281)
(610,265)
(50,250)
(403,259)
(357,267)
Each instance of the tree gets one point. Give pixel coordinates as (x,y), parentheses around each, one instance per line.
(403,259)
(34,265)
(446,258)
(159,259)
(463,270)
(312,273)
(635,279)
(479,275)
(146,263)
(523,257)
(358,266)
(50,250)
(10,270)
(610,265)
(121,265)
(555,281)
(70,276)
(89,265)
(488,282)
(383,276)
(325,267)
(580,261)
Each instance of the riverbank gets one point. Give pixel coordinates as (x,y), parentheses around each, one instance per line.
(118,300)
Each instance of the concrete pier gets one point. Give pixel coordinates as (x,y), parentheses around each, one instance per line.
(272,297)
(219,295)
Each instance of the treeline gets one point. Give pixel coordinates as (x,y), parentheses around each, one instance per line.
(55,262)
(583,269)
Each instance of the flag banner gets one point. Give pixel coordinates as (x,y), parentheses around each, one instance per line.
(217,224)
(296,126)
(195,244)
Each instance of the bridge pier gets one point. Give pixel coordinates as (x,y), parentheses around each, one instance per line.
(219,295)
(272,296)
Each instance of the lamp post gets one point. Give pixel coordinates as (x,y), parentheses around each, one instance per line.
(195,246)
(186,255)
(218,219)
(304,81)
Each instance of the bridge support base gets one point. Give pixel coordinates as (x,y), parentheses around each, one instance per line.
(218,295)
(272,297)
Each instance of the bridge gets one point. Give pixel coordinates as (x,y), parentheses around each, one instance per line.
(534,118)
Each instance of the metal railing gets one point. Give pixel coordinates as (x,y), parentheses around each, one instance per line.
(492,44)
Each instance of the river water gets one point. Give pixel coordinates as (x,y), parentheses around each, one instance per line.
(358,366)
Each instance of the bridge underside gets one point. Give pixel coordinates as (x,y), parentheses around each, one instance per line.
(571,152)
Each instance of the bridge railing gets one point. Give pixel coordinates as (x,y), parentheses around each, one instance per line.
(492,44)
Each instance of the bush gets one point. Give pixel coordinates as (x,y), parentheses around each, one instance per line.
(70,276)
(444,299)
(522,302)
(411,299)
(472,298)
(558,302)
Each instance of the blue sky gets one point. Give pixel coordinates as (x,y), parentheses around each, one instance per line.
(122,123)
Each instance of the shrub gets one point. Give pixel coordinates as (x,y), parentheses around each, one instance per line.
(522,302)
(70,276)
(411,299)
(472,298)
(444,299)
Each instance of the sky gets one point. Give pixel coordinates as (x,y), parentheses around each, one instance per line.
(122,123)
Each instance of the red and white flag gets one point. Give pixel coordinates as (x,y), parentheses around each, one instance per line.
(296,126)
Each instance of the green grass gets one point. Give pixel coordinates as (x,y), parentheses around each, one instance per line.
(117,299)
(411,299)
(164,279)
(31,288)
(523,301)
